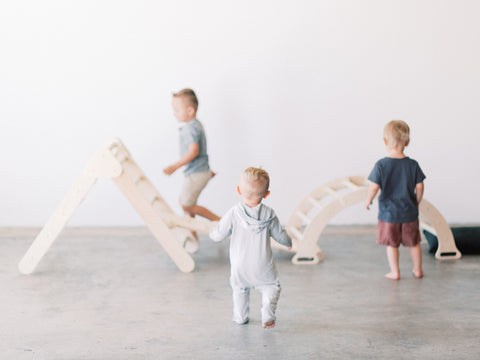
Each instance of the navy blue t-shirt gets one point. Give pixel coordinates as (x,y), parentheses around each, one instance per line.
(397,179)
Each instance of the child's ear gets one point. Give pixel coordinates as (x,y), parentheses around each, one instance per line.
(191,110)
(238,190)
(385,141)
(406,144)
(268,193)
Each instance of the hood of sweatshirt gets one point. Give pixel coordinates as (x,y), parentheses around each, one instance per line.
(255,218)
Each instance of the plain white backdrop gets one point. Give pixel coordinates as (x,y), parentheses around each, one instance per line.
(302,88)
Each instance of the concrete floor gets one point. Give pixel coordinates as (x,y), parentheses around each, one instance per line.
(120,297)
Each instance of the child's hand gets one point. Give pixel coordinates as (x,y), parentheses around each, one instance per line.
(372,191)
(169,170)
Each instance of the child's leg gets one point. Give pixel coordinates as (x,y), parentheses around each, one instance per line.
(416,255)
(270,295)
(392,256)
(201,211)
(241,305)
(191,189)
(411,238)
(389,234)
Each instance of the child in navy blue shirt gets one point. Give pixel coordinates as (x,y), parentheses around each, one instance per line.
(400,180)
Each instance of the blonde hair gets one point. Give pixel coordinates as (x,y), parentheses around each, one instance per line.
(397,132)
(254,174)
(189,96)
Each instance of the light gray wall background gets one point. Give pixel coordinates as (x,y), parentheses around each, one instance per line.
(302,88)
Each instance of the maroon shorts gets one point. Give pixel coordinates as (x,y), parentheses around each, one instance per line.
(393,235)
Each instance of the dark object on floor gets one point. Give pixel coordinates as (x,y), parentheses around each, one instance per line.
(467,240)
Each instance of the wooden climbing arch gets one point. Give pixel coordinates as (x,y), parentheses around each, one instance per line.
(313,213)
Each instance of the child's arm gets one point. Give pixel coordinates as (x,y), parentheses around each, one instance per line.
(419,191)
(279,234)
(372,191)
(223,229)
(191,154)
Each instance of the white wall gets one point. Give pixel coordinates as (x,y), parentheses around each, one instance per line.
(303,88)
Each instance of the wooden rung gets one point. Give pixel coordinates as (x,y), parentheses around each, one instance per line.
(297,234)
(332,191)
(315,203)
(164,212)
(154,200)
(120,154)
(113,148)
(160,205)
(133,171)
(115,144)
(350,185)
(147,190)
(304,217)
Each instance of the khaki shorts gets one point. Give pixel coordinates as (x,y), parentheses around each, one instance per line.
(193,186)
(393,235)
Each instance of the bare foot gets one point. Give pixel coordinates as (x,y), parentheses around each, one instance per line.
(269,324)
(417,274)
(392,276)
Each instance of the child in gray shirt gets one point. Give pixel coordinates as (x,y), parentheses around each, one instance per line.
(251,224)
(193,151)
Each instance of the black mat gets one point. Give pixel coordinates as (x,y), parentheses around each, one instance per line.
(467,240)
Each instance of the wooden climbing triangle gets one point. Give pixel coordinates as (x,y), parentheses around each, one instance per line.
(114,161)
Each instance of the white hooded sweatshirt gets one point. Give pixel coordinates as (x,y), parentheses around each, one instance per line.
(251,256)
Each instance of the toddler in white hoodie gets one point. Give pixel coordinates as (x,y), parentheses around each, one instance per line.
(251,224)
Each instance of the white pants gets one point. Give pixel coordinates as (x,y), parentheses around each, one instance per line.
(241,303)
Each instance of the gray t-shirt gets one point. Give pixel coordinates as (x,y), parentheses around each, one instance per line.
(190,133)
(397,179)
